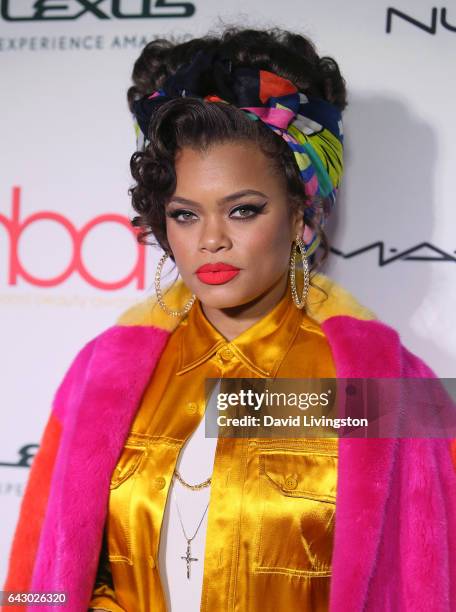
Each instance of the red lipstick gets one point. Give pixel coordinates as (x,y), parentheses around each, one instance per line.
(217,273)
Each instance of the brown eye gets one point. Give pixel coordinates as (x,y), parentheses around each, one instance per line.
(247,211)
(181,216)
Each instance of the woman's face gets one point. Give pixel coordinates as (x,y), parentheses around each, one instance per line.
(230,208)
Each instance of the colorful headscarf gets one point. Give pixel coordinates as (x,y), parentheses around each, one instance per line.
(311,126)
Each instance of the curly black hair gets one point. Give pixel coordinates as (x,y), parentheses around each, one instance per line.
(193,122)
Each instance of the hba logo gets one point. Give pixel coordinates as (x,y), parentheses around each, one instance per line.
(52,10)
(15,227)
(430,28)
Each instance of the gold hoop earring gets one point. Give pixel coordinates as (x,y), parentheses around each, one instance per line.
(305,263)
(158,292)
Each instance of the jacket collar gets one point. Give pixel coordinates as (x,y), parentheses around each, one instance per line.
(200,340)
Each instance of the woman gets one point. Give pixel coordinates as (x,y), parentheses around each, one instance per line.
(135,509)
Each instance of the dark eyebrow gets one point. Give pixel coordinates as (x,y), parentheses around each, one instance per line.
(228,198)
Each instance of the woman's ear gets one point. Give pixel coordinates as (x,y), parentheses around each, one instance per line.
(298,225)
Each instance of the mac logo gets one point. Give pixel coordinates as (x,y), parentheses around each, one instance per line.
(424,251)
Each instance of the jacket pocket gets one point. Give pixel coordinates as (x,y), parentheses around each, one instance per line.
(126,466)
(297,513)
(118,522)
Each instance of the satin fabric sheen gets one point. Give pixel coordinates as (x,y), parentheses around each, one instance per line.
(268,543)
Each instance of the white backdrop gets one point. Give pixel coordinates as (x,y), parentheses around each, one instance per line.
(66,141)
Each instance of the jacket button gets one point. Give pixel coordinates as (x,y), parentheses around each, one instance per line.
(226,354)
(291,483)
(192,408)
(159,482)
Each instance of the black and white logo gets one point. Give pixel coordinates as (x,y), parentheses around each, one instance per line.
(64,10)
(424,251)
(437,19)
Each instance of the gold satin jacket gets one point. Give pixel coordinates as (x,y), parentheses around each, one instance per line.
(272,506)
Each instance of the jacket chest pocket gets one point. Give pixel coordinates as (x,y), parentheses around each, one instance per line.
(297,513)
(122,485)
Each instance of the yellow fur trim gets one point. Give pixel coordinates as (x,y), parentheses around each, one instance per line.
(318,307)
(149,312)
(339,301)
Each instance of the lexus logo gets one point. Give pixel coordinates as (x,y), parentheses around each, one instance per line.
(64,10)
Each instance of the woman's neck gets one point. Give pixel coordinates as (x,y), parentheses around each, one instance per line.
(231,322)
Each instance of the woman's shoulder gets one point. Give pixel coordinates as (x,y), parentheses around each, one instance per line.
(341,314)
(354,329)
(327,298)
(148,312)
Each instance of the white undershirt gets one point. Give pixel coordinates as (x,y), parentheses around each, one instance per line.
(195,465)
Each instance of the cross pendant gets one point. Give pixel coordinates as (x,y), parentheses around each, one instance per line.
(188,558)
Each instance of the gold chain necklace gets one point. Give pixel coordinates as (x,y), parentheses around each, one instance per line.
(194,487)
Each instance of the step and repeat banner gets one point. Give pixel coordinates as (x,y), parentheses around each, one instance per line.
(69,262)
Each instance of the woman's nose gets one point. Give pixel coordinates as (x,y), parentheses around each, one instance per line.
(213,236)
